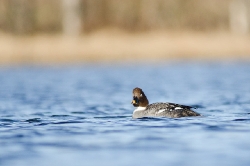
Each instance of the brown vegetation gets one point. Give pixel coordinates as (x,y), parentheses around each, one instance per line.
(61,31)
(117,46)
(32,16)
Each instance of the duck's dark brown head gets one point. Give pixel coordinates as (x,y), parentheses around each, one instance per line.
(139,98)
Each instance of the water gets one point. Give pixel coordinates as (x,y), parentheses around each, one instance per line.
(81,115)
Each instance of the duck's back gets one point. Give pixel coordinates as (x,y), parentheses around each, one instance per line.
(169,110)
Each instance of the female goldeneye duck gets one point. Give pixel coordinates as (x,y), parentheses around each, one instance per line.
(171,110)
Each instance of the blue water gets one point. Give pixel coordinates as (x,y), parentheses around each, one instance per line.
(81,115)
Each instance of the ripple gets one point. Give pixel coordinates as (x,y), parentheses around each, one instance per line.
(33,120)
(78,112)
(7,120)
(44,124)
(67,122)
(215,110)
(214,128)
(39,114)
(60,116)
(241,120)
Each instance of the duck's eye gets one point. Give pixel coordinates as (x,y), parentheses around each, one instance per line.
(141,94)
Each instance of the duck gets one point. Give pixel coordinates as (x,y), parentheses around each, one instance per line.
(160,109)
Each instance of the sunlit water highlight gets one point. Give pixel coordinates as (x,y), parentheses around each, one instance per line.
(81,115)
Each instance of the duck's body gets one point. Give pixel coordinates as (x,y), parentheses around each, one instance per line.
(171,110)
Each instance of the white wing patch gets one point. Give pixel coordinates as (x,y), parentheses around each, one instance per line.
(178,108)
(139,109)
(160,111)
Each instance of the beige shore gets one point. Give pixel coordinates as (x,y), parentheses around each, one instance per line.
(118,46)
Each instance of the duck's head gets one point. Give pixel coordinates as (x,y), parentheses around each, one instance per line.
(139,98)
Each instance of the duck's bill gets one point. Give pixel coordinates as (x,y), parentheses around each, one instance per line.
(135,104)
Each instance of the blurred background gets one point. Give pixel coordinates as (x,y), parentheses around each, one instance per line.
(79,31)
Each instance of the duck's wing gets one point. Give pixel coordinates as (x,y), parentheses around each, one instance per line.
(178,106)
(170,110)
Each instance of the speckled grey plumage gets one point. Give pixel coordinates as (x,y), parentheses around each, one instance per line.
(170,110)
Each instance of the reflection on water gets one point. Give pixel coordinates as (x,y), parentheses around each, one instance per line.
(82,115)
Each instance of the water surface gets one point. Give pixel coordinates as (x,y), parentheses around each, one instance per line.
(81,115)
